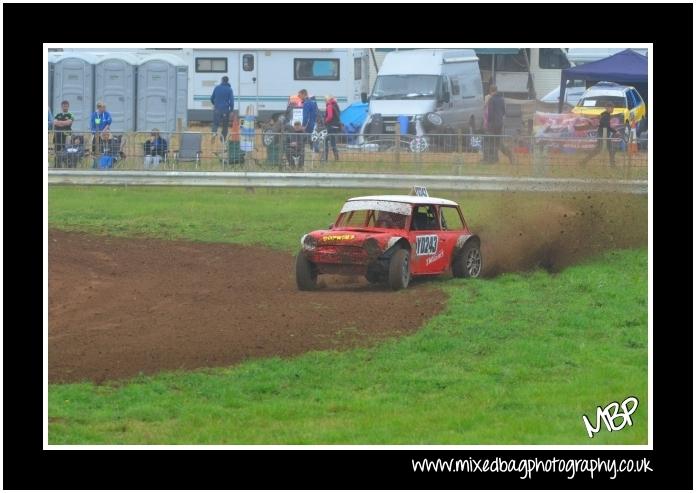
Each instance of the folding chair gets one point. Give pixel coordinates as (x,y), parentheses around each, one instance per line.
(189,148)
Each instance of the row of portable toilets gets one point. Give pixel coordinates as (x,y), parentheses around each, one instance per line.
(141,92)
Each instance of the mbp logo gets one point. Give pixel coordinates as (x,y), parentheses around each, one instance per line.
(426,245)
(609,415)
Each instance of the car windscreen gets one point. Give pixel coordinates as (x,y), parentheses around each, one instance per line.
(372,219)
(602,101)
(374,213)
(409,86)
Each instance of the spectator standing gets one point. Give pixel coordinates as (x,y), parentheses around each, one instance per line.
(333,127)
(309,114)
(155,149)
(223,104)
(50,119)
(604,132)
(62,125)
(495,113)
(99,122)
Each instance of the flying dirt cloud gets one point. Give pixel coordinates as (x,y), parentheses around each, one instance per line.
(555,232)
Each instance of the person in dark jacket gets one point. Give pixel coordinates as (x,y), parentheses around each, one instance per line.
(155,149)
(295,141)
(496,115)
(604,128)
(223,104)
(72,153)
(309,114)
(62,124)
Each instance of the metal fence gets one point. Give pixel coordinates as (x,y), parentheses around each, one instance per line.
(441,154)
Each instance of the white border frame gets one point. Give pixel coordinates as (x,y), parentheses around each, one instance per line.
(649,446)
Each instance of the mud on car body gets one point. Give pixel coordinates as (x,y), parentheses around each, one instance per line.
(391,238)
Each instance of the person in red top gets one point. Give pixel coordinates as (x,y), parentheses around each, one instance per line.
(333,127)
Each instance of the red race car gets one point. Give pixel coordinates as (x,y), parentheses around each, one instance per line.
(391,238)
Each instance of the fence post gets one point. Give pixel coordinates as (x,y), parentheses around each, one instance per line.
(537,149)
(397,142)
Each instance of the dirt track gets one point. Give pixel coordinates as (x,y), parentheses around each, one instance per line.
(118,307)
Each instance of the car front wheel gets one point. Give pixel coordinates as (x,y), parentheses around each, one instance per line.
(305,273)
(399,270)
(469,262)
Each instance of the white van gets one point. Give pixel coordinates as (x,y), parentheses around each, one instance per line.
(443,84)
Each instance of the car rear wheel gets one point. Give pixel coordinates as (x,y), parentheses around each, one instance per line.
(468,262)
(305,273)
(399,270)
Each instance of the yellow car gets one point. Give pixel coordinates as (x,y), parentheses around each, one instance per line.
(626,100)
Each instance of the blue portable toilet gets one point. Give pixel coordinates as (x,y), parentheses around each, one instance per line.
(73,80)
(53,57)
(162,92)
(115,86)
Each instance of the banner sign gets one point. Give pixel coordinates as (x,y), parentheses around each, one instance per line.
(567,131)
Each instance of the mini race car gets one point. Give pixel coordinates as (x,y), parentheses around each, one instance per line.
(391,238)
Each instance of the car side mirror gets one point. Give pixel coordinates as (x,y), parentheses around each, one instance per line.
(363,97)
(446,97)
(330,226)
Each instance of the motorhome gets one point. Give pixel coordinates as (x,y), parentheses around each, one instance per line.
(522,73)
(263,79)
(519,73)
(414,83)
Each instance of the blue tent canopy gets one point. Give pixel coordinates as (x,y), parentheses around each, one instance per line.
(626,66)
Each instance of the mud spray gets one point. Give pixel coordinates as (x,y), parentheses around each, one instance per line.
(523,232)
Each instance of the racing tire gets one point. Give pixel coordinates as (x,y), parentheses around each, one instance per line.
(305,273)
(468,262)
(399,270)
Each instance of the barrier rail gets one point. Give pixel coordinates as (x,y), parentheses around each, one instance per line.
(343,180)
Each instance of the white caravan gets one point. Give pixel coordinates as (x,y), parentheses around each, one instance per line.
(263,80)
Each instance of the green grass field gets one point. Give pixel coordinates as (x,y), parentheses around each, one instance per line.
(517,359)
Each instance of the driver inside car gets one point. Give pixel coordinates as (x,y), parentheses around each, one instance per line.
(390,220)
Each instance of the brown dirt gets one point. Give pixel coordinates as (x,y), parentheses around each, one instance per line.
(557,232)
(119,307)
